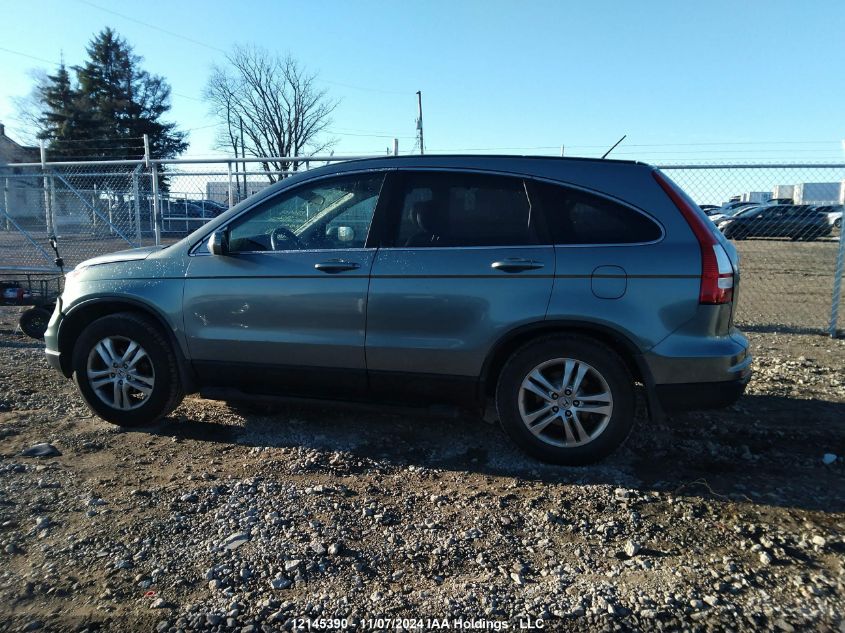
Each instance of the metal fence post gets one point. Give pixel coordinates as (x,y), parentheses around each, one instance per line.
(231,190)
(48,199)
(111,217)
(837,286)
(153,167)
(136,204)
(6,203)
(156,204)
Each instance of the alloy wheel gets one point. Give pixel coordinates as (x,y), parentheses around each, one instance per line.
(120,372)
(565,402)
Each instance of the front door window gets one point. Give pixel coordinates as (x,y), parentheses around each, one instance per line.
(328,214)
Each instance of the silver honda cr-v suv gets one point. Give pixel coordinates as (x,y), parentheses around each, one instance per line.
(554,289)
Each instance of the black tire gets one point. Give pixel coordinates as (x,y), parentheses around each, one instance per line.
(837,223)
(166,392)
(738,234)
(34,322)
(609,366)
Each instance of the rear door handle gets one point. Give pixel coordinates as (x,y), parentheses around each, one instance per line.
(516,265)
(336,266)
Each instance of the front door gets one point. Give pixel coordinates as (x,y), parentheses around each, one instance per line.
(461,264)
(285,310)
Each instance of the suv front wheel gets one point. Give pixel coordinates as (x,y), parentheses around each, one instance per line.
(566,399)
(126,370)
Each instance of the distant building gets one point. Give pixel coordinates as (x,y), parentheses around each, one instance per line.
(755,196)
(786,192)
(219,191)
(13,152)
(817,193)
(22,198)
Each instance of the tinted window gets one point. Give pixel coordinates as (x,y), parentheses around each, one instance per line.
(577,217)
(458,209)
(332,213)
(803,211)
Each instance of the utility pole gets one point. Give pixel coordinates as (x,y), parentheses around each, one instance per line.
(237,178)
(420,122)
(243,154)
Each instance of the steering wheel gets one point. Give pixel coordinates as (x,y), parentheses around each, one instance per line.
(283,234)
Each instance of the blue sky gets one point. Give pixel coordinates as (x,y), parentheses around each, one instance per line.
(716,80)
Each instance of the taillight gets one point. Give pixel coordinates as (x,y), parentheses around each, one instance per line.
(717,273)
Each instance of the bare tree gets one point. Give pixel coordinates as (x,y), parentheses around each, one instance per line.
(282,110)
(31,108)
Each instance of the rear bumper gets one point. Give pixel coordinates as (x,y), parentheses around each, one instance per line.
(700,395)
(700,372)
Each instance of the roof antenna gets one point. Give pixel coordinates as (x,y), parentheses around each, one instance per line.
(614,146)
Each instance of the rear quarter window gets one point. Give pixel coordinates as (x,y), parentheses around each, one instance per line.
(578,217)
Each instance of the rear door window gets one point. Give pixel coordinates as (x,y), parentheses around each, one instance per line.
(578,217)
(454,209)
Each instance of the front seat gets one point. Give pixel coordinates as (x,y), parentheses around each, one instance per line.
(431,222)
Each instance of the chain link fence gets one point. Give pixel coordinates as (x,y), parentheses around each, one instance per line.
(784,219)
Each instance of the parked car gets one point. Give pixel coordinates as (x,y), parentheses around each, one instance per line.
(736,204)
(797,222)
(550,290)
(710,209)
(732,212)
(833,213)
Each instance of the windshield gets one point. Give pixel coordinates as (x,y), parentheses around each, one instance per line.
(744,212)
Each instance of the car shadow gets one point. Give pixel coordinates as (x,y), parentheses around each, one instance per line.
(764,450)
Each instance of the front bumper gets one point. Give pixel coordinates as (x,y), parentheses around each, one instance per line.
(51,340)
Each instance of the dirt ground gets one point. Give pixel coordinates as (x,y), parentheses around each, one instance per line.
(227,519)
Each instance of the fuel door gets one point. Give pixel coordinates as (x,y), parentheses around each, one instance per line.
(609,282)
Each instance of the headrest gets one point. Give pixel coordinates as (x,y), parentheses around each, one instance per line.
(429,217)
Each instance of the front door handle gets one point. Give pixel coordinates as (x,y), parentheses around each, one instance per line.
(516,265)
(336,266)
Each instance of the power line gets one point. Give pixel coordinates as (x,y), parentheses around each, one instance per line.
(378,90)
(40,59)
(368,135)
(202,127)
(153,26)
(177,94)
(220,50)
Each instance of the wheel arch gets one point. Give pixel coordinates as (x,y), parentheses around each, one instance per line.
(522,335)
(80,315)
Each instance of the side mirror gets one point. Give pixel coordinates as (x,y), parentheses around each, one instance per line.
(345,233)
(218,243)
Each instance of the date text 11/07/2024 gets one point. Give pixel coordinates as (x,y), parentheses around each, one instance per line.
(417,624)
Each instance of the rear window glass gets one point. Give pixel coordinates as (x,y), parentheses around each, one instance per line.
(463,209)
(578,217)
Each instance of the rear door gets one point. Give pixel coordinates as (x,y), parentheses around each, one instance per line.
(462,261)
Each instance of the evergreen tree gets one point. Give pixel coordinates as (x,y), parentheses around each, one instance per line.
(66,118)
(112,104)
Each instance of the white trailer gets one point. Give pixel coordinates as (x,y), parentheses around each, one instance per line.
(755,196)
(817,193)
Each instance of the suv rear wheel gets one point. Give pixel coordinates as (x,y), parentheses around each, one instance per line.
(566,399)
(126,370)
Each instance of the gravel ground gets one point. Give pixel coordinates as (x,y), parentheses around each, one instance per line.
(226,519)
